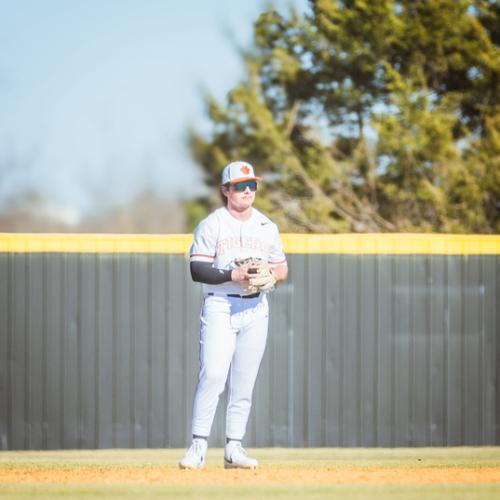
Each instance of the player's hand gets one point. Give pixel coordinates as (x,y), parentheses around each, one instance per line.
(240,274)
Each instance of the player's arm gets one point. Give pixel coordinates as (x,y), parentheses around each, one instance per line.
(204,272)
(280,272)
(277,258)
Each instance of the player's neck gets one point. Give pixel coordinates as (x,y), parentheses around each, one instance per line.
(240,214)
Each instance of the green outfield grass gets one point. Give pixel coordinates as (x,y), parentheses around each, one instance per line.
(292,459)
(49,492)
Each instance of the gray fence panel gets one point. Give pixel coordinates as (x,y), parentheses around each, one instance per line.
(102,351)
(88,355)
(19,369)
(368,303)
(385,376)
(491,351)
(5,349)
(332,373)
(158,422)
(300,331)
(437,351)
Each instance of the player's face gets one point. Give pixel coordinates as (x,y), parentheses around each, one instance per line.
(241,195)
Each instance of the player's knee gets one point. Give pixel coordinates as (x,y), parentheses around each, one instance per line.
(215,377)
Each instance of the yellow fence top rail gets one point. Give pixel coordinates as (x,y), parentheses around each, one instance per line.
(393,243)
(389,243)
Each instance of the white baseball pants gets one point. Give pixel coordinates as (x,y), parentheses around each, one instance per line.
(232,342)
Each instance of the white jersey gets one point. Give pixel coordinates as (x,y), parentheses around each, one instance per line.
(220,238)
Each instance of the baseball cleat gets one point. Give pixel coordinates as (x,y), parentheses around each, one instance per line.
(236,457)
(195,456)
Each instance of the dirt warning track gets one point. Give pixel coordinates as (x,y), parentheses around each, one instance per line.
(263,476)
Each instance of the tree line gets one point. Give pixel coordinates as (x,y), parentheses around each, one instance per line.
(367,116)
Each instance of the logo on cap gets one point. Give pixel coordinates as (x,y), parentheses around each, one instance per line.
(245,170)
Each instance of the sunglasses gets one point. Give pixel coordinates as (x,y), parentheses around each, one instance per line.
(241,186)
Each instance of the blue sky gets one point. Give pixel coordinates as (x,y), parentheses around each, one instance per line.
(96,96)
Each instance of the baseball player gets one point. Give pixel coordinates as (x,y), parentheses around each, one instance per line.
(237,255)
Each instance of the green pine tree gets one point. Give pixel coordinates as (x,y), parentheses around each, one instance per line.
(367,116)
